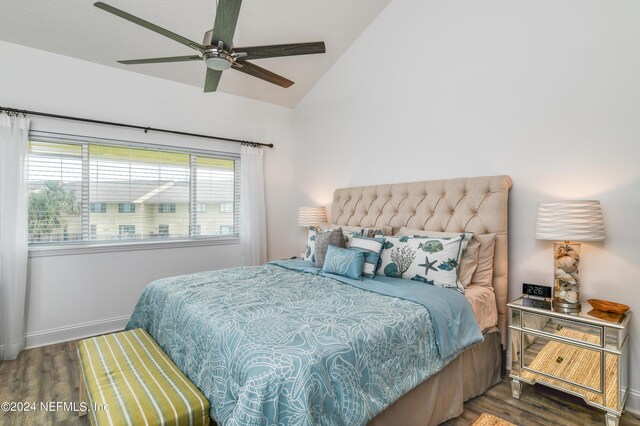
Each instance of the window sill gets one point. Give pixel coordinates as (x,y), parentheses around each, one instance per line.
(75,249)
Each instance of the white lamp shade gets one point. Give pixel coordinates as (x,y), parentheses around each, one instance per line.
(570,221)
(311,216)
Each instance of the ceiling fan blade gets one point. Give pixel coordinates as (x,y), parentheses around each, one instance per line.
(148,25)
(226,19)
(211,80)
(161,60)
(261,73)
(278,50)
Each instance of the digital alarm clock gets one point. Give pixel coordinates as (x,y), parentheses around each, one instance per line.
(536,290)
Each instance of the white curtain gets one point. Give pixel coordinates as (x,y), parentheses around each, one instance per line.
(253,217)
(14,147)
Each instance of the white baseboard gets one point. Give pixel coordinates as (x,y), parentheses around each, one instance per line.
(633,402)
(76,331)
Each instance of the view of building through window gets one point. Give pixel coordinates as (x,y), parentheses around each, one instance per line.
(82,191)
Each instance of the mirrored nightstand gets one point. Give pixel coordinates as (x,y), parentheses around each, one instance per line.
(584,354)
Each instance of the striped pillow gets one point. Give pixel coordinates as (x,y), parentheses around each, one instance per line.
(372,248)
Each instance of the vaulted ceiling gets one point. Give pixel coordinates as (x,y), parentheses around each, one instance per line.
(80,30)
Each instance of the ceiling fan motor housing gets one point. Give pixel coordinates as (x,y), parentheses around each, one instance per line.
(215,55)
(208,41)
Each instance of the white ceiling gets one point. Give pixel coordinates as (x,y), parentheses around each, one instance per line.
(80,30)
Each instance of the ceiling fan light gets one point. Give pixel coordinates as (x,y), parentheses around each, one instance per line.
(218,60)
(217,63)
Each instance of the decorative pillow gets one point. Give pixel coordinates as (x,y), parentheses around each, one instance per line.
(372,248)
(346,262)
(483,275)
(369,231)
(324,240)
(310,252)
(426,259)
(348,236)
(471,246)
(377,230)
(347,231)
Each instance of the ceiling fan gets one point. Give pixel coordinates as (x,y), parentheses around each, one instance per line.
(217,50)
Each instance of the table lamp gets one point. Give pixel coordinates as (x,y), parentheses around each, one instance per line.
(568,223)
(312,216)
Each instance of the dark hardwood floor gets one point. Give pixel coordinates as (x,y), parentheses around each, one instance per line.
(50,374)
(46,374)
(538,406)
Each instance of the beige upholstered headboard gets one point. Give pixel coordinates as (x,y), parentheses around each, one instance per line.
(478,204)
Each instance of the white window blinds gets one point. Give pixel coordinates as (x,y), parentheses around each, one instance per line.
(83,191)
(215,187)
(55,192)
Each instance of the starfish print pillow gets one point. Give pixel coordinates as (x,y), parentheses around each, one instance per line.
(431,260)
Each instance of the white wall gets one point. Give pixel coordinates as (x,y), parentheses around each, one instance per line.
(73,296)
(545,91)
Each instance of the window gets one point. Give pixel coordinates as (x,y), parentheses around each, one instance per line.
(98,207)
(55,193)
(226,207)
(167,208)
(217,183)
(78,187)
(127,232)
(163,230)
(224,230)
(126,208)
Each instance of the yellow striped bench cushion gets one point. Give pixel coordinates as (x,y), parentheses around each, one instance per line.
(140,384)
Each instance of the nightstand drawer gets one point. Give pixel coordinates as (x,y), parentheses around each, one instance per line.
(563,361)
(570,330)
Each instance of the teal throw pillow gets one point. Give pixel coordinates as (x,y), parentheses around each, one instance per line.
(346,262)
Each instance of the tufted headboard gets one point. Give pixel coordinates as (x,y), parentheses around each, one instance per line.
(477,204)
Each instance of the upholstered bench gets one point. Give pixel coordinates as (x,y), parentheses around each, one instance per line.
(129,373)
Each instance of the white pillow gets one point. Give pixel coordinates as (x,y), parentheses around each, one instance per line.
(427,259)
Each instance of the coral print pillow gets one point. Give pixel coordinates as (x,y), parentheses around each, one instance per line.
(426,259)
(310,252)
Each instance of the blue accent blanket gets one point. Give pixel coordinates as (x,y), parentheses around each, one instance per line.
(453,319)
(273,345)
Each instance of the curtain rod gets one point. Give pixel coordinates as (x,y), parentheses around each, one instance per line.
(131,126)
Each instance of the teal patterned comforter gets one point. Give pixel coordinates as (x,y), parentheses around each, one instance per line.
(274,346)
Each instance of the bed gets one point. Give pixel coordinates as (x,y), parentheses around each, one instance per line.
(278,344)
